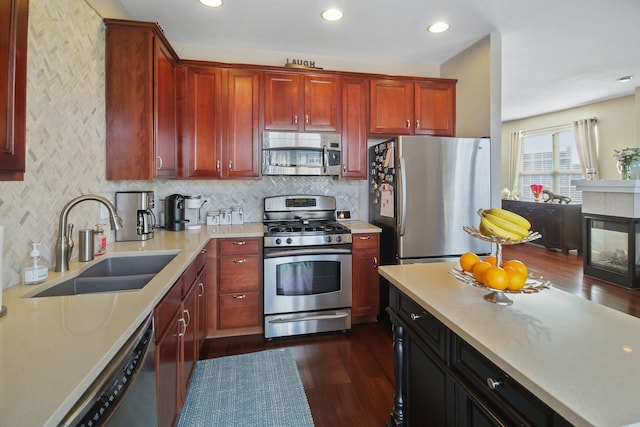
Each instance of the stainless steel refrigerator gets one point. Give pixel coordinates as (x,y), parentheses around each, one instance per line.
(423,190)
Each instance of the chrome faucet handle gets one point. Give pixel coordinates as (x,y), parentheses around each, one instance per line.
(70,243)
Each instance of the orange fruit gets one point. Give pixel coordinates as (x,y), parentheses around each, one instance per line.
(517,279)
(491,259)
(468,260)
(518,265)
(479,270)
(496,278)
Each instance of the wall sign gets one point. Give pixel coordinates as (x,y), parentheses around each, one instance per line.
(301,63)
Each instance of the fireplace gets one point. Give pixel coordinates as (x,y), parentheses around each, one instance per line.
(611,248)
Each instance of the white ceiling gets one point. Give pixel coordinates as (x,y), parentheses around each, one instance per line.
(556,54)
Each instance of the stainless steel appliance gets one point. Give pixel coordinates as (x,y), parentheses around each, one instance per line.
(292,153)
(138,220)
(124,394)
(307,266)
(174,212)
(423,190)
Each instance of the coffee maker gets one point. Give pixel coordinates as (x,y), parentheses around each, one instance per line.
(192,206)
(138,220)
(174,212)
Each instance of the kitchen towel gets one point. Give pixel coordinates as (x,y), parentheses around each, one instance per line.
(254,389)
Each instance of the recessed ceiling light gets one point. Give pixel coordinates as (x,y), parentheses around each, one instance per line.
(438,27)
(624,79)
(211,3)
(332,15)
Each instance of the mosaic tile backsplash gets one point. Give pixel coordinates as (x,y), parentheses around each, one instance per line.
(66,149)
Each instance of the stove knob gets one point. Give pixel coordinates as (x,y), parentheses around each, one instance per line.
(328,239)
(338,239)
(289,240)
(278,241)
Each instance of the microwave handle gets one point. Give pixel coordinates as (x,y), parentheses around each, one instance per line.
(325,158)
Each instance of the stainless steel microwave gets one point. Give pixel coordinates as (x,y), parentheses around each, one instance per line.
(294,153)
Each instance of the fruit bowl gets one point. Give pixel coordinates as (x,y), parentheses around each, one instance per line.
(497,296)
(533,235)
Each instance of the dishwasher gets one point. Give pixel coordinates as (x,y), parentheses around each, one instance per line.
(124,394)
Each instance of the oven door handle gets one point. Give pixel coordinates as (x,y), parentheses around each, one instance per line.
(303,318)
(297,252)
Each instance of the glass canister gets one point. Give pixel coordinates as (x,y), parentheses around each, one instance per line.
(237,215)
(225,217)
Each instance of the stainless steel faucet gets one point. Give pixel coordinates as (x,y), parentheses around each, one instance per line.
(64,243)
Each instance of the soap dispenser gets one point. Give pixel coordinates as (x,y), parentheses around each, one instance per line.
(35,268)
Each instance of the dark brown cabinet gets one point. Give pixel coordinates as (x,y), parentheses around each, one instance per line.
(301,102)
(14,17)
(365,282)
(412,107)
(141,104)
(354,127)
(559,224)
(222,122)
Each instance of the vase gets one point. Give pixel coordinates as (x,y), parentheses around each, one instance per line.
(624,169)
(634,169)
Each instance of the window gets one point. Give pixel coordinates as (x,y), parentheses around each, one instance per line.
(550,158)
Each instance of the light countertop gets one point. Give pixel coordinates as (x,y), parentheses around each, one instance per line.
(580,358)
(357,226)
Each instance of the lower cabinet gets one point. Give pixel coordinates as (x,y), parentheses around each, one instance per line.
(443,381)
(365,279)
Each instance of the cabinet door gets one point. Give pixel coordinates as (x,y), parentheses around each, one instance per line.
(354,128)
(243,143)
(167,372)
(13,87)
(321,103)
(203,130)
(366,282)
(435,108)
(189,339)
(202,309)
(165,114)
(211,287)
(282,101)
(391,107)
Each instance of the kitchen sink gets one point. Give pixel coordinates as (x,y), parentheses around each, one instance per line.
(111,275)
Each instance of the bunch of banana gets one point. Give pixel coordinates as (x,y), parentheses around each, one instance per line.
(503,224)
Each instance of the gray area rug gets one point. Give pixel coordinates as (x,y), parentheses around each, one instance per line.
(254,389)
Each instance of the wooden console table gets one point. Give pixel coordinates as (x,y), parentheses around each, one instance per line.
(559,224)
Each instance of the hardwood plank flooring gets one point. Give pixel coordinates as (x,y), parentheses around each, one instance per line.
(348,377)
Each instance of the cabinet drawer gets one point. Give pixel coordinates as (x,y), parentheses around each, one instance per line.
(428,328)
(239,246)
(239,310)
(238,274)
(508,396)
(365,241)
(164,311)
(189,277)
(201,260)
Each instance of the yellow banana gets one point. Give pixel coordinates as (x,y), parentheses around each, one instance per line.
(509,216)
(506,224)
(489,229)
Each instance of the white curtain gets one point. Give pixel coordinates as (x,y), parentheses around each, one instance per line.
(514,163)
(586,135)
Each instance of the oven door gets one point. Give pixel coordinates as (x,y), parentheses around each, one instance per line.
(298,280)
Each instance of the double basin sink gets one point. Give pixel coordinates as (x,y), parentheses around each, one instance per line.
(114,274)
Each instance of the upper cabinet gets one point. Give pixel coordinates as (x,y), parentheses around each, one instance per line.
(221,135)
(301,102)
(354,127)
(141,128)
(412,107)
(14,16)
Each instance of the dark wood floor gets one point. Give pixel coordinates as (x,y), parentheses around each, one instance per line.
(348,377)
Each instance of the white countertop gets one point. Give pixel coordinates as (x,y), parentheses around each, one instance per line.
(607,185)
(580,358)
(357,226)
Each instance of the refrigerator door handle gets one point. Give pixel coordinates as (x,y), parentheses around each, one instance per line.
(403,195)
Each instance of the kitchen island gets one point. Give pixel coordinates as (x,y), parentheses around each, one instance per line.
(569,359)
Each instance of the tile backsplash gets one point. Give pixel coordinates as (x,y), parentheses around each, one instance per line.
(66,149)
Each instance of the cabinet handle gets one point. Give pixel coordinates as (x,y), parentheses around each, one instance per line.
(184,327)
(185,311)
(306,119)
(230,165)
(218,165)
(203,251)
(375,262)
(295,119)
(364,237)
(415,316)
(493,383)
(408,124)
(201,286)
(159,163)
(239,261)
(239,242)
(344,167)
(242,296)
(417,124)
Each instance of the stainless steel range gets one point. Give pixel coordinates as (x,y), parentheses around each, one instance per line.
(307,266)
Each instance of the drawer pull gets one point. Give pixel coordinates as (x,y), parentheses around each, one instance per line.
(364,237)
(375,262)
(239,242)
(201,287)
(188,321)
(239,261)
(243,296)
(493,383)
(415,316)
(184,327)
